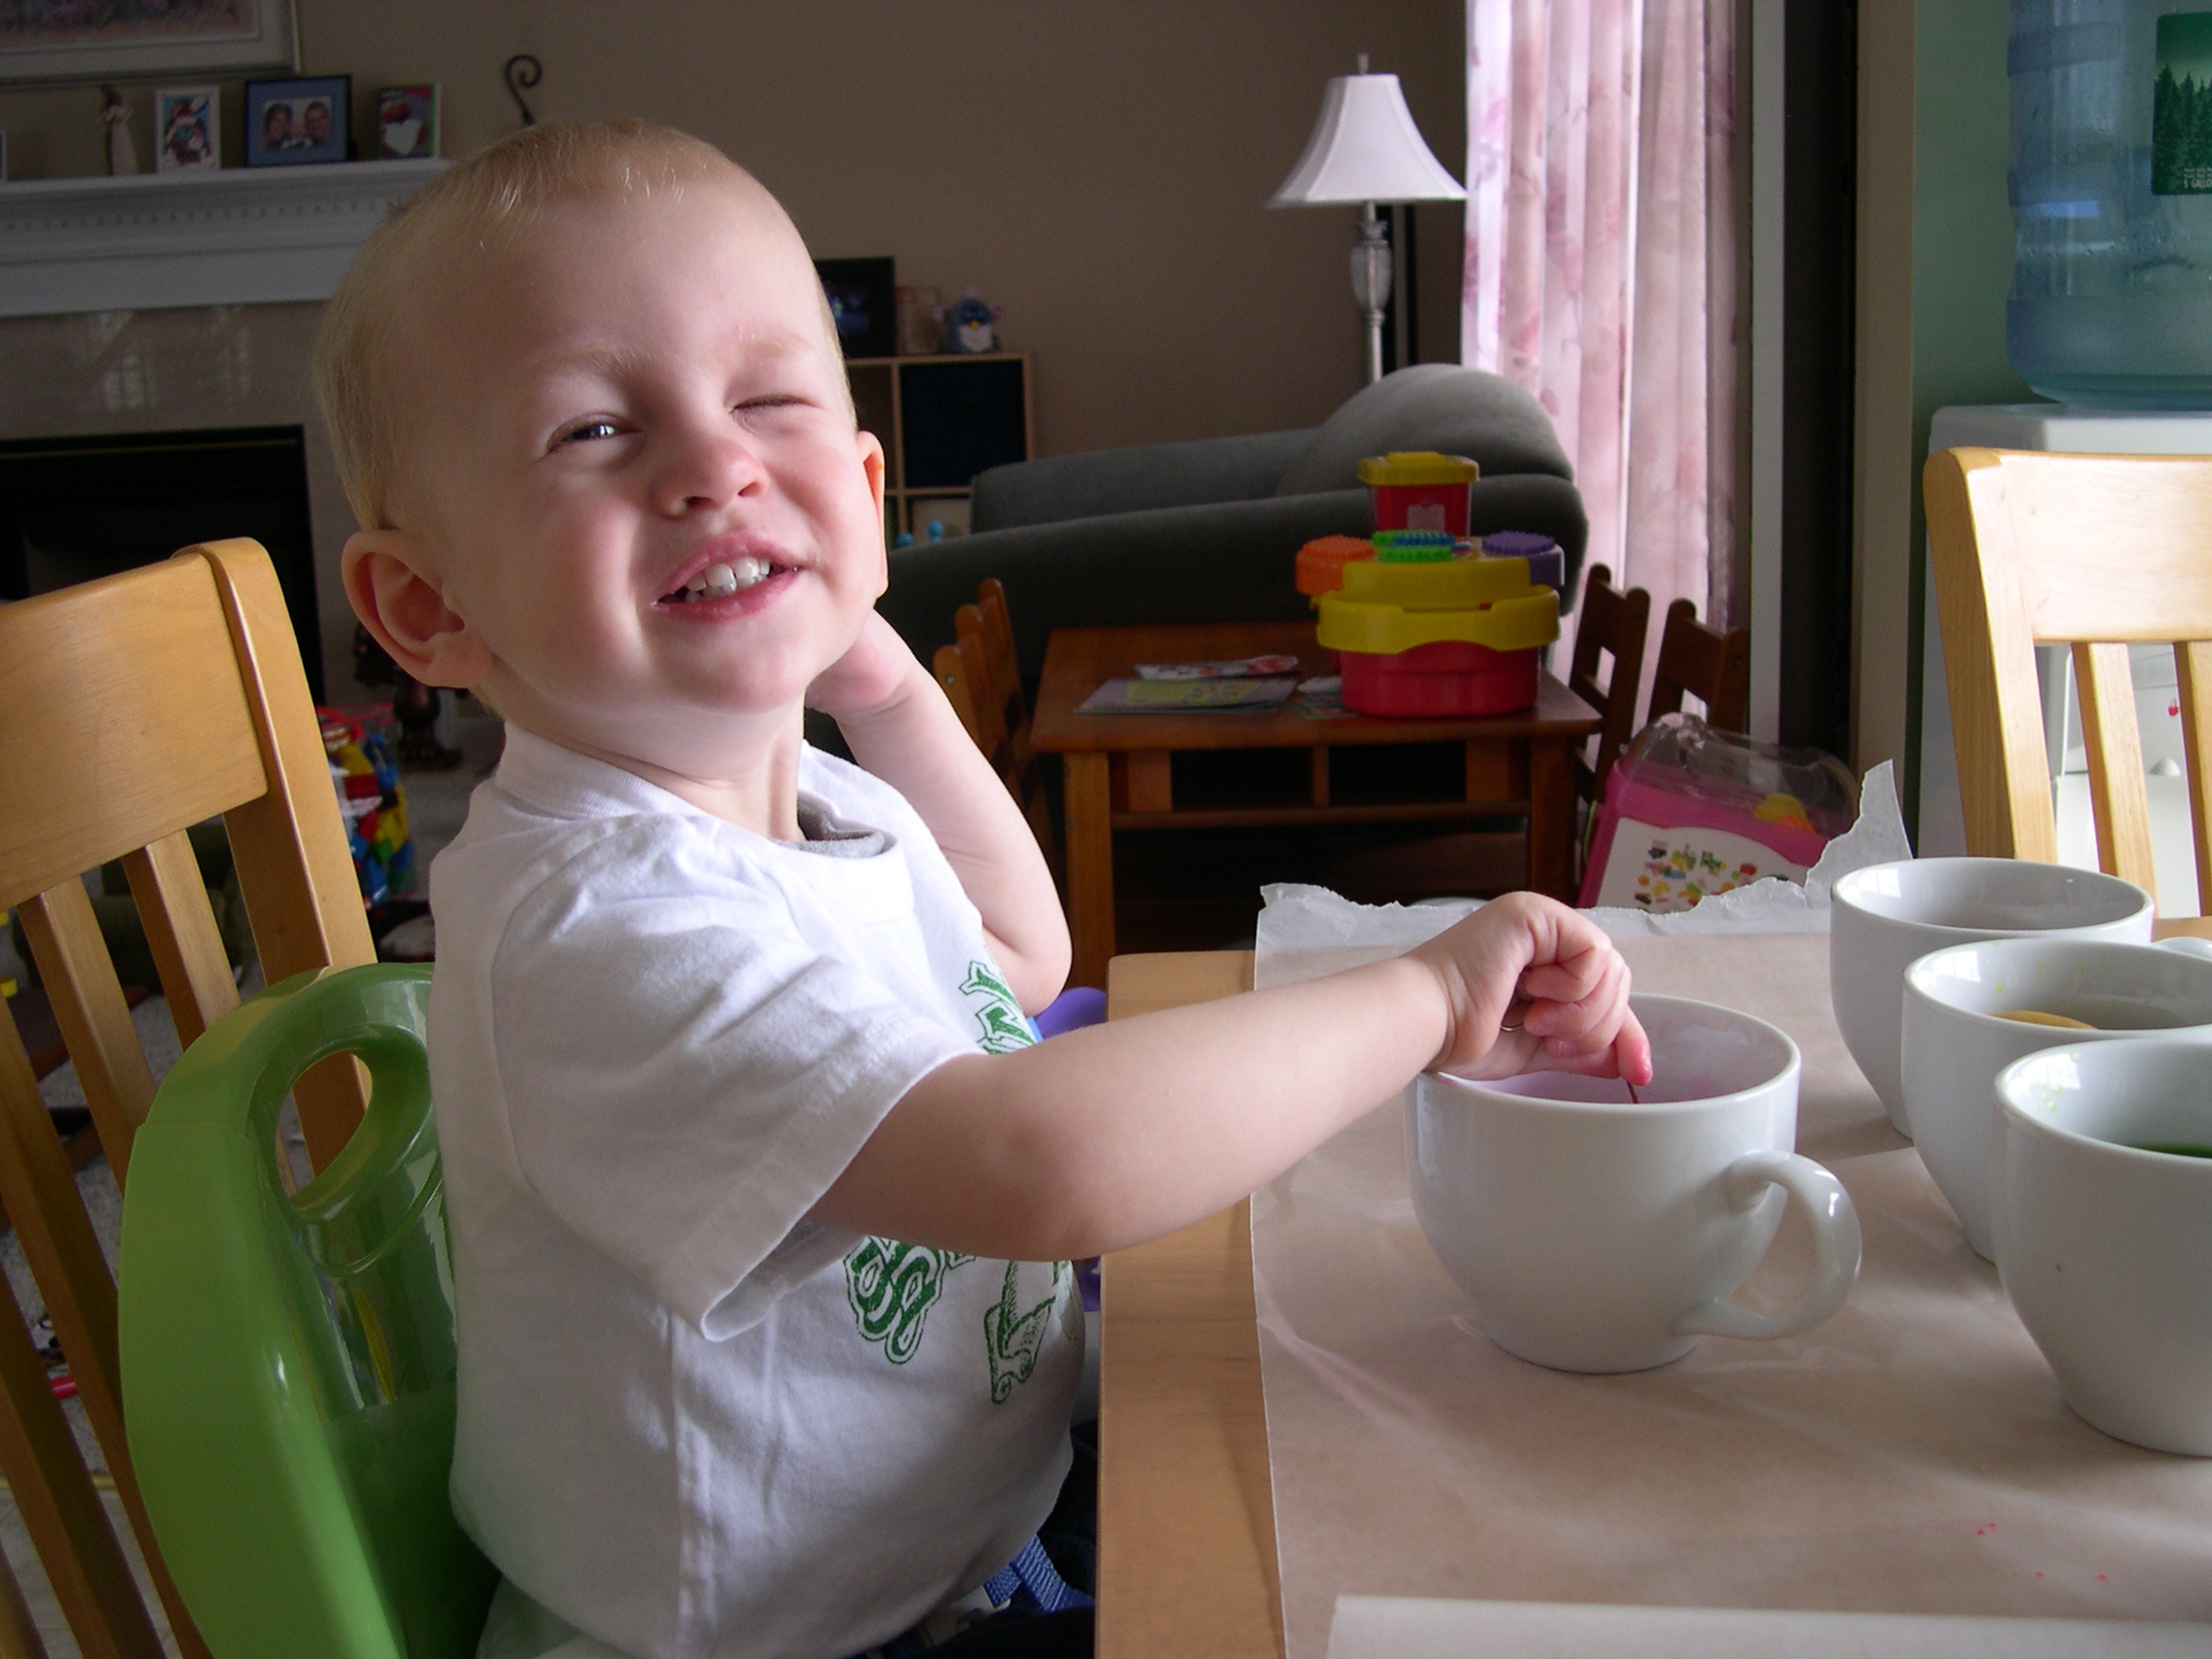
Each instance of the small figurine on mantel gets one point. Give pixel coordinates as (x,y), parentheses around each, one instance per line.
(970,325)
(115,116)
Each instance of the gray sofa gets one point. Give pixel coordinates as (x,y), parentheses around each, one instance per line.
(1208,530)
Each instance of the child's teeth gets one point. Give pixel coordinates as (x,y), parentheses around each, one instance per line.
(719,580)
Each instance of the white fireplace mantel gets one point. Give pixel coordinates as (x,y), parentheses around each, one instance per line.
(146,241)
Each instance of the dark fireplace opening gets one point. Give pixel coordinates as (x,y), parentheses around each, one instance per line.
(75,509)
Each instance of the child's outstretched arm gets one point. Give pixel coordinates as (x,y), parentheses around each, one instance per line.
(1116,1134)
(895,715)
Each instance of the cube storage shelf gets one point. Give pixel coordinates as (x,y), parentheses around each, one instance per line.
(941,421)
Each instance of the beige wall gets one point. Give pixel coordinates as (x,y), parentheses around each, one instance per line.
(1097,169)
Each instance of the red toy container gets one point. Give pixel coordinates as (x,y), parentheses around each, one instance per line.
(1421,489)
(1439,636)
(1448,678)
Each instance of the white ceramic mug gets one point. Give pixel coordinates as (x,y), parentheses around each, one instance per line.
(1887,916)
(2106,1247)
(1595,1233)
(1954,1043)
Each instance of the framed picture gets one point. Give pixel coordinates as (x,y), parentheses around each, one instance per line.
(46,41)
(188,128)
(864,301)
(290,123)
(407,121)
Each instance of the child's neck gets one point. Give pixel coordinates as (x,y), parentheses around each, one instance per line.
(757,792)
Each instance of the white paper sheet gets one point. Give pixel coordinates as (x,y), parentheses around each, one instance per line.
(1389,1626)
(1912,1456)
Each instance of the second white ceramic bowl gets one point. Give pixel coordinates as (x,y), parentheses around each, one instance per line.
(1954,1043)
(1887,916)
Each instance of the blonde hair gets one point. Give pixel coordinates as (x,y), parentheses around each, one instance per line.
(480,207)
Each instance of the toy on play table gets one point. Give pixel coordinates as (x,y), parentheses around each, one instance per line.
(1547,562)
(372,800)
(1421,630)
(1691,813)
(1421,489)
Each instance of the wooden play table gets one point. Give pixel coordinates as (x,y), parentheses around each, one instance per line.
(1121,775)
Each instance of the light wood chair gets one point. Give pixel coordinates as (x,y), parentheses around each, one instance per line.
(1612,623)
(2096,552)
(981,677)
(1712,666)
(130,709)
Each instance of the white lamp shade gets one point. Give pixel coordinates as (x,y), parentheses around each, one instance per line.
(1365,148)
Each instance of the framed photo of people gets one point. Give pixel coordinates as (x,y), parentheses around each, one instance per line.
(290,124)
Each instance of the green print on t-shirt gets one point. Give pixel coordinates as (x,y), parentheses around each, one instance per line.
(892,1288)
(1013,1338)
(1004,1028)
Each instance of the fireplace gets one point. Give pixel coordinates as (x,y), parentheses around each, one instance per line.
(155,336)
(73,509)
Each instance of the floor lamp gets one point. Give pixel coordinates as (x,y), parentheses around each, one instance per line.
(1366,150)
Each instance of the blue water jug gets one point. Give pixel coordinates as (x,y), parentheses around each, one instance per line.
(2112,201)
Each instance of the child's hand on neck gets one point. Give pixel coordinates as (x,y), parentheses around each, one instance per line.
(870,680)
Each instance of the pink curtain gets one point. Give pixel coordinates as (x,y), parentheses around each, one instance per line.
(1601,263)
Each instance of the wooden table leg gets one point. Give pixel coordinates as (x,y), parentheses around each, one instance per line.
(1090,867)
(1551,818)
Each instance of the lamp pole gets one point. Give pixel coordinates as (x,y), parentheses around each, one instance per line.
(1371,282)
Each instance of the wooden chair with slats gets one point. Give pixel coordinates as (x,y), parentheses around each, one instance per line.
(1712,666)
(130,709)
(981,677)
(2095,552)
(1612,623)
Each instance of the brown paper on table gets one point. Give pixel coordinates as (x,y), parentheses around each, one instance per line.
(1912,1454)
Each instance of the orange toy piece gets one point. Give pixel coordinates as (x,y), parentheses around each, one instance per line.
(1321,562)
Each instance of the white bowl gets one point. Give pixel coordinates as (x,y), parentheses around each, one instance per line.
(1595,1233)
(2105,1248)
(1887,916)
(1954,1043)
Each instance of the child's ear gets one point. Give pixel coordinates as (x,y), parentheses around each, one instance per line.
(397,592)
(871,465)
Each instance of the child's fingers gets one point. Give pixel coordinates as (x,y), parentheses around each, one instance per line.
(1632,1052)
(1568,979)
(1601,1006)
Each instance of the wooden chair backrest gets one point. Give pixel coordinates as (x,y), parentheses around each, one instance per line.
(998,717)
(2097,552)
(1614,623)
(130,709)
(1713,667)
(1006,672)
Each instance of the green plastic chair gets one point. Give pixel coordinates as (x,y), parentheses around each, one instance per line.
(289,1358)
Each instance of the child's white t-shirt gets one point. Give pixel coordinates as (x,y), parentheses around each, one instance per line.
(690,1420)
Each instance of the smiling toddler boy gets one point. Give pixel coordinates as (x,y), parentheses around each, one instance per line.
(760,1196)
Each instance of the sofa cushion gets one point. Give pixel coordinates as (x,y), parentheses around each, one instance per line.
(1430,406)
(1227,562)
(1133,480)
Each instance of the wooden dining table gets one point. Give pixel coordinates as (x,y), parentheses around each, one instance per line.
(1122,770)
(1187,1557)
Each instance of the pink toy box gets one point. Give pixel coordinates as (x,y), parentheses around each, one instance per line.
(1690,813)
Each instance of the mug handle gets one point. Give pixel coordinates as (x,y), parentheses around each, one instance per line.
(2187,945)
(1835,1247)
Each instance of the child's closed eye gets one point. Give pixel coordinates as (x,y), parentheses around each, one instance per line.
(597,427)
